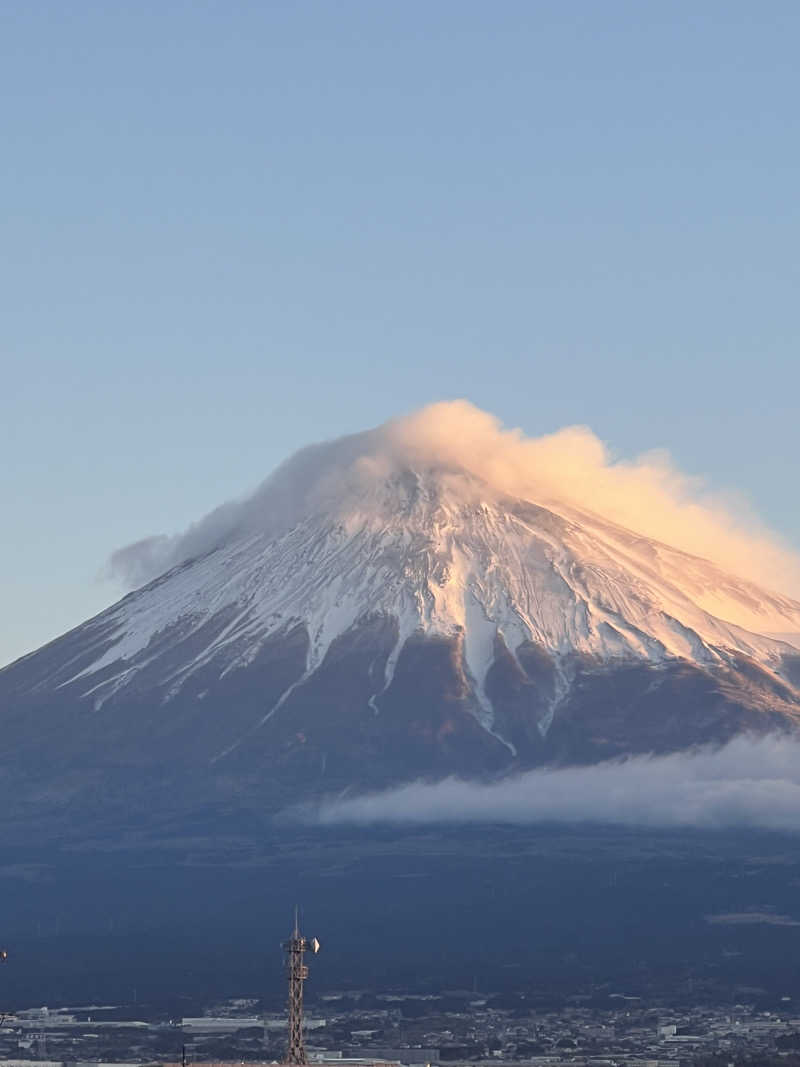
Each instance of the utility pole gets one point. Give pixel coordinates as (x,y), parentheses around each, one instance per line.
(295,948)
(3,959)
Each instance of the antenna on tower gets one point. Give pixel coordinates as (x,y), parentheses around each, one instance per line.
(295,949)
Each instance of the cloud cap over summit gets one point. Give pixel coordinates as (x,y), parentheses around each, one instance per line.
(571,468)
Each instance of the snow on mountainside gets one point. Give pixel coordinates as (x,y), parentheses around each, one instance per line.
(416,601)
(789,639)
(444,554)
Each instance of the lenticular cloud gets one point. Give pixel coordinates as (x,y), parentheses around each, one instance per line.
(748,783)
(571,467)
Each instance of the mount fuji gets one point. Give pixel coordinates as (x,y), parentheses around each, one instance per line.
(389,607)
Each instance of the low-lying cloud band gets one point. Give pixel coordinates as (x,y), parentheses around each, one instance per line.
(751,782)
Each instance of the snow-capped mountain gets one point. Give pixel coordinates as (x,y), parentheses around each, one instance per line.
(358,622)
(435,557)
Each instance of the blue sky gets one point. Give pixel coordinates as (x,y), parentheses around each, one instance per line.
(230,229)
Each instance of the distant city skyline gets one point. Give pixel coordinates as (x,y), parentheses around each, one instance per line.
(236,231)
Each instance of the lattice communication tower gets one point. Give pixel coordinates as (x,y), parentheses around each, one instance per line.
(295,949)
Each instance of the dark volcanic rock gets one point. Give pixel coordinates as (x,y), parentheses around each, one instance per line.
(413,625)
(259,737)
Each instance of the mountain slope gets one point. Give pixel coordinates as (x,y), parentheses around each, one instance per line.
(412,623)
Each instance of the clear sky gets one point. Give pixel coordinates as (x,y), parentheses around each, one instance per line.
(232,228)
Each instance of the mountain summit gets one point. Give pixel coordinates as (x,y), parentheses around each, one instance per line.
(409,602)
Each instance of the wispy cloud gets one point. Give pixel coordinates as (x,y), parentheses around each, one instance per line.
(751,918)
(750,782)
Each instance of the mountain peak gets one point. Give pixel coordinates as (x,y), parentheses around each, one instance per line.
(455,451)
(427,598)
